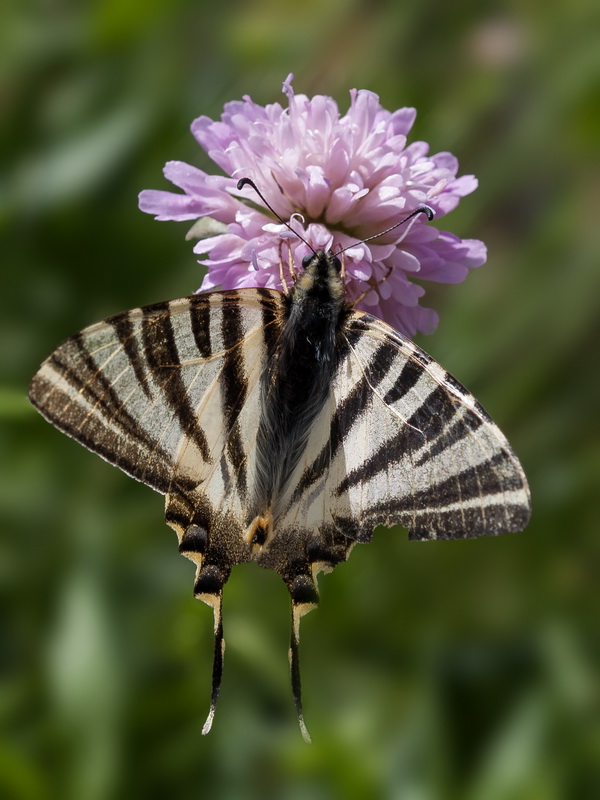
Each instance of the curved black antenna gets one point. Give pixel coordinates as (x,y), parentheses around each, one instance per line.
(427,210)
(248,182)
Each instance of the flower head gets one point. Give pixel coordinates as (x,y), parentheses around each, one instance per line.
(337,180)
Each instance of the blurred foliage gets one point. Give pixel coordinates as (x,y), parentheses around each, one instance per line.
(448,670)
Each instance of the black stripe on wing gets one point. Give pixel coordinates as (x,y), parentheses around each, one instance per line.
(466,424)
(160,350)
(126,334)
(200,312)
(481,499)
(234,387)
(428,422)
(407,378)
(91,385)
(109,430)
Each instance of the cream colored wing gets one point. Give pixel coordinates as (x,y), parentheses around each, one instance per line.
(401,441)
(168,392)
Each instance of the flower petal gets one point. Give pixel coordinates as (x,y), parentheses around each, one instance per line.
(336,179)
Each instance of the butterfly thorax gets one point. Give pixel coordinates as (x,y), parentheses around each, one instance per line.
(295,386)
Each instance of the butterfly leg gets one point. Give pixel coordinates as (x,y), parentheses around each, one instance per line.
(291,268)
(284,285)
(371,288)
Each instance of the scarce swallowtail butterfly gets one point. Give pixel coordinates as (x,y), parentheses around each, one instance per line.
(282,427)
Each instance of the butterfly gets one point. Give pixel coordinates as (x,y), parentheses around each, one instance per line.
(282,428)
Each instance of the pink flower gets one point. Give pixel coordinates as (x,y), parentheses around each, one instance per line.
(337,180)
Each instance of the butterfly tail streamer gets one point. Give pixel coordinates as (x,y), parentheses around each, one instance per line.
(217,663)
(294,655)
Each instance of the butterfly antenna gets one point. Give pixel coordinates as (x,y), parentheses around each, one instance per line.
(248,182)
(423,209)
(295,669)
(217,663)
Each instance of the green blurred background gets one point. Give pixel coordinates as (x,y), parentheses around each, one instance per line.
(447,670)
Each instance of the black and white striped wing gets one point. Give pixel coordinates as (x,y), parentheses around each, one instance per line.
(400,441)
(169,393)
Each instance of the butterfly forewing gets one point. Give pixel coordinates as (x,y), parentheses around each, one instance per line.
(165,392)
(400,441)
(432,458)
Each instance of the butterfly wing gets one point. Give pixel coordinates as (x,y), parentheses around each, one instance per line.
(171,394)
(401,441)
(165,392)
